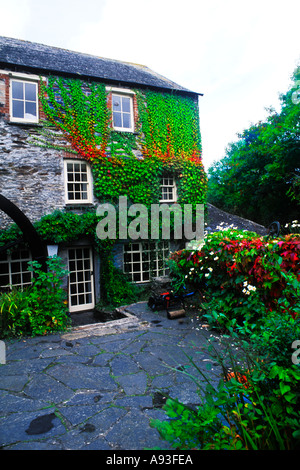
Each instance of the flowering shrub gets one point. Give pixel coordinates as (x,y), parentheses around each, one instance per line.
(243,276)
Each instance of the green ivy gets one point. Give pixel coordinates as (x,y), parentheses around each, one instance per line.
(166,141)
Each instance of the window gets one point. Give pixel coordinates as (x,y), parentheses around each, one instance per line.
(142,261)
(122,109)
(168,189)
(14,269)
(24,101)
(78,182)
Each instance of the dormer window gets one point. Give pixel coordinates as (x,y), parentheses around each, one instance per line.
(122,109)
(24,101)
(168,192)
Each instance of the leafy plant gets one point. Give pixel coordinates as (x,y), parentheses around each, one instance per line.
(39,309)
(15,312)
(243,277)
(258,178)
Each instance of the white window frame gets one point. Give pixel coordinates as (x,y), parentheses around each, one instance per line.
(88,182)
(12,258)
(149,254)
(122,92)
(168,183)
(23,78)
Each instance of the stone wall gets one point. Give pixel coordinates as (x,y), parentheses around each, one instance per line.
(31,177)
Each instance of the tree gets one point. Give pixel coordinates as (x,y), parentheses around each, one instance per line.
(259,177)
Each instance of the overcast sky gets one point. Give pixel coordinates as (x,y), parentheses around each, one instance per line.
(239,54)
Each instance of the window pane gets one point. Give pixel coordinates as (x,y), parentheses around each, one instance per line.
(126,105)
(117,120)
(137,277)
(30,110)
(16,279)
(17,90)
(3,268)
(73,288)
(18,109)
(116,103)
(126,121)
(15,267)
(30,91)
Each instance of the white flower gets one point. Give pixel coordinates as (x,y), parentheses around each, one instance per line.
(210,269)
(216,258)
(207,274)
(253,288)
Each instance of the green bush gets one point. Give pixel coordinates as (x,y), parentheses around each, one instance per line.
(249,287)
(118,289)
(15,312)
(39,309)
(242,277)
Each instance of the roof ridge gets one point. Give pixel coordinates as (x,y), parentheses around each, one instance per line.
(54,59)
(73,51)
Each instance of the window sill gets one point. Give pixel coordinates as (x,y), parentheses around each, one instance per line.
(124,131)
(79,205)
(25,123)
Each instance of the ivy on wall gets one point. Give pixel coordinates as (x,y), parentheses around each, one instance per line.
(167,140)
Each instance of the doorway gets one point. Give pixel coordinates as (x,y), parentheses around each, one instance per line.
(81,279)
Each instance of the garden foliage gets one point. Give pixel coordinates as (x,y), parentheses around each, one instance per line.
(242,276)
(259,176)
(39,309)
(249,289)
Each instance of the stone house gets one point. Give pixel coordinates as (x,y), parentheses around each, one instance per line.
(46,169)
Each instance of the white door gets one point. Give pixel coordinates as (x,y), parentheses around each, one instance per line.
(81,279)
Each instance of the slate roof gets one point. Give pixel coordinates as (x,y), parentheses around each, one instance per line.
(53,60)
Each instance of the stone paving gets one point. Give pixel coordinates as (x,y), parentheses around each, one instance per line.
(98,387)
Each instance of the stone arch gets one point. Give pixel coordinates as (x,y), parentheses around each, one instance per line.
(37,246)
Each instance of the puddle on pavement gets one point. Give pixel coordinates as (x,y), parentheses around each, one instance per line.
(41,424)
